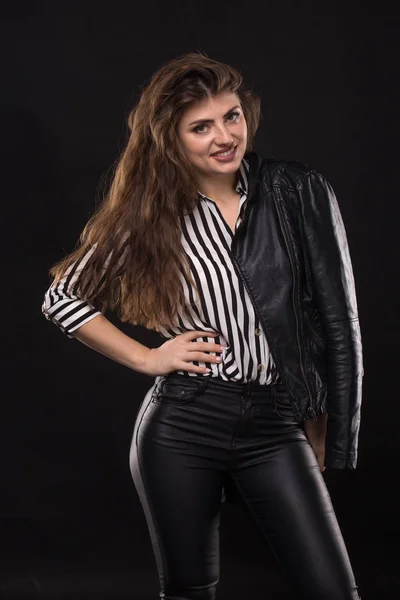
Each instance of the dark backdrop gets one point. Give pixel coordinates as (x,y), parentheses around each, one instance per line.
(327,73)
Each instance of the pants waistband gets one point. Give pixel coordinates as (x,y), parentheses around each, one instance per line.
(201,383)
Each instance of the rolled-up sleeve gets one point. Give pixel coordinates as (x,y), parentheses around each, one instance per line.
(62,304)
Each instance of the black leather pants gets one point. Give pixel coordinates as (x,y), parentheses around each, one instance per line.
(190,434)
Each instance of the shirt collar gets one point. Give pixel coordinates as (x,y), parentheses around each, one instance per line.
(242,184)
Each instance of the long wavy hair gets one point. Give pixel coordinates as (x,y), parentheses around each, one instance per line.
(153,185)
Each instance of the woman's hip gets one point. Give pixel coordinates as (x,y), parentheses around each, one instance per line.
(214,413)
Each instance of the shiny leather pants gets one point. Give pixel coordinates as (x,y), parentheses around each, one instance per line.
(190,434)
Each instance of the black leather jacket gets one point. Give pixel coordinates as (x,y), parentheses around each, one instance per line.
(291,252)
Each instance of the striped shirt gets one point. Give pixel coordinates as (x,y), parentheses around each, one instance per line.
(224,305)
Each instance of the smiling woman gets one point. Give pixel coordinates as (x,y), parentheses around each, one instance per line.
(176,130)
(213,133)
(197,239)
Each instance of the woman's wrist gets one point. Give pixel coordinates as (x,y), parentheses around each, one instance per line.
(140,359)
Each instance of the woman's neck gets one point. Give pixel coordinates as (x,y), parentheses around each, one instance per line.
(222,189)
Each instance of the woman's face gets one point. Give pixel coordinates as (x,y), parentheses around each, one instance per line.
(214,125)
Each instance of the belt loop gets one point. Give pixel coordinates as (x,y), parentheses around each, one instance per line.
(204,383)
(273,392)
(247,389)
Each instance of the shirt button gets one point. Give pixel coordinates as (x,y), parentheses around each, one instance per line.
(257,331)
(260,367)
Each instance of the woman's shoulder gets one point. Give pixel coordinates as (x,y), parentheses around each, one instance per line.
(285,172)
(281,171)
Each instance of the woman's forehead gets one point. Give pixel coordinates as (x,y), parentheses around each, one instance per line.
(210,106)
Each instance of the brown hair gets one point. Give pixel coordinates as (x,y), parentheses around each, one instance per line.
(153,185)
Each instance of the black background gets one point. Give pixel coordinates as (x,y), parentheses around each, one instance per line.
(327,72)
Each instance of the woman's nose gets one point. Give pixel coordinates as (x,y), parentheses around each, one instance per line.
(223,136)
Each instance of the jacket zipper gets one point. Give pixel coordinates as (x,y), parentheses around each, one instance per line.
(311,408)
(313,331)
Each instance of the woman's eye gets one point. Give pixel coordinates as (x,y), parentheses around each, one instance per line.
(196,129)
(234,114)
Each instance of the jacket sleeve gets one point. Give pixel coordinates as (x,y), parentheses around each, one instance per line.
(62,304)
(332,274)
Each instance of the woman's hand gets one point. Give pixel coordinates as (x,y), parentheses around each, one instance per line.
(177,354)
(316,434)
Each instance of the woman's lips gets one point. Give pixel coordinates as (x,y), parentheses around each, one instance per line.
(227,158)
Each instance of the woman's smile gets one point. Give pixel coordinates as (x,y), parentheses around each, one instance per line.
(226,156)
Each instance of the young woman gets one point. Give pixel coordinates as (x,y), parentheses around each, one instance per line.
(242,265)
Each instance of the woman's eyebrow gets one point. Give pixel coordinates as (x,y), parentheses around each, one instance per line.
(212,120)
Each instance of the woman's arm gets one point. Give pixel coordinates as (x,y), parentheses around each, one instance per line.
(101,335)
(80,320)
(62,304)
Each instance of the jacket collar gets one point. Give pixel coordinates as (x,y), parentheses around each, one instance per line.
(254,174)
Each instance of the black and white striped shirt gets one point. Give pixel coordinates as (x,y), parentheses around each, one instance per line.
(224,305)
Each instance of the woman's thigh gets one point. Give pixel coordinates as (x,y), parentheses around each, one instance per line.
(180,493)
(287,498)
